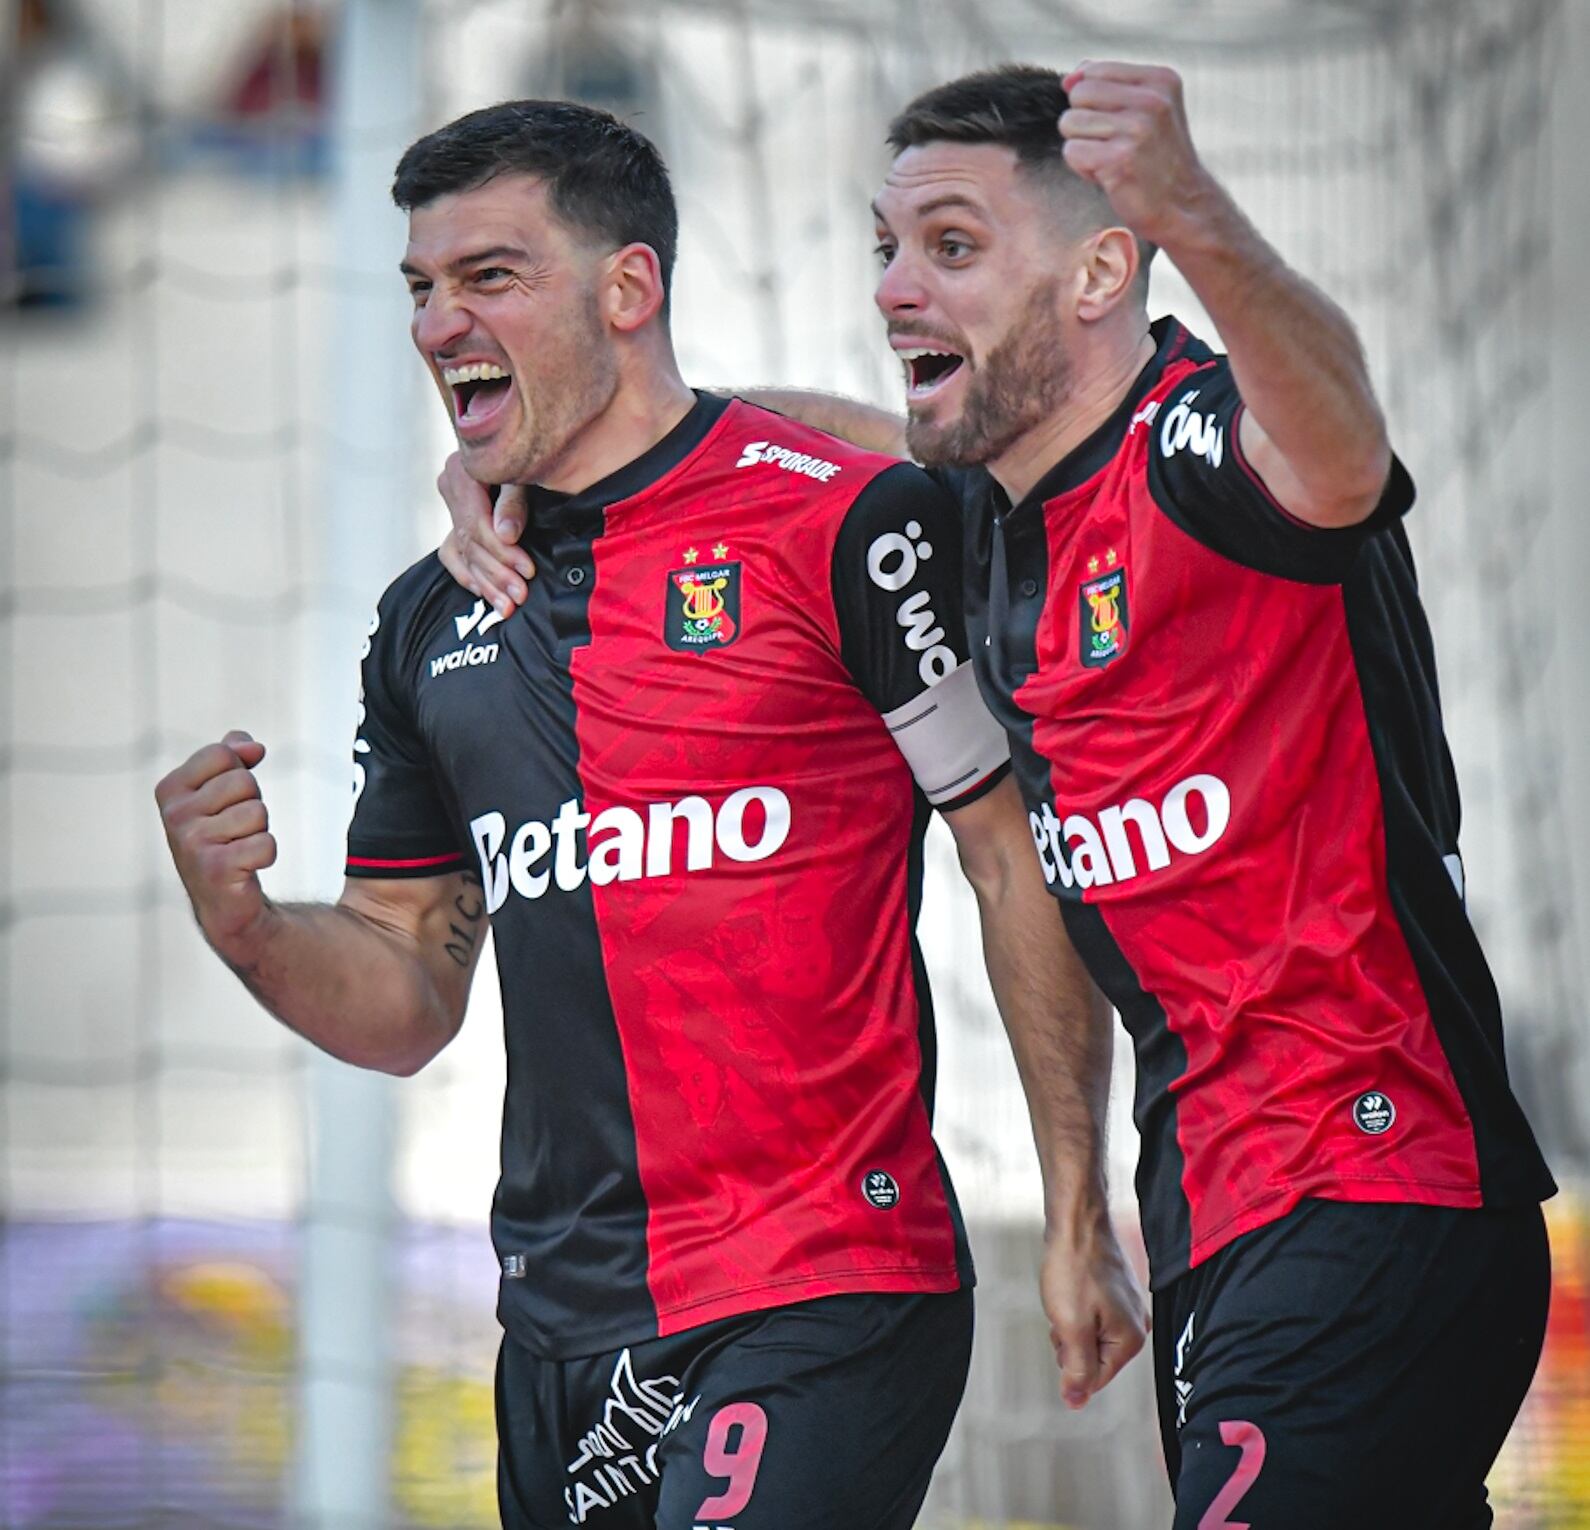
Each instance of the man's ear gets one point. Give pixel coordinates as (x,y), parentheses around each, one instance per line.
(632,294)
(1107,274)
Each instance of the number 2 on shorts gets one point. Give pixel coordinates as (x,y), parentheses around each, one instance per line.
(739,1464)
(1249,1438)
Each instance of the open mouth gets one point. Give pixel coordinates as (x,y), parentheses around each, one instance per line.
(479,391)
(927,371)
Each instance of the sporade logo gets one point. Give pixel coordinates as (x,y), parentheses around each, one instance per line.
(787,458)
(623,845)
(1082,852)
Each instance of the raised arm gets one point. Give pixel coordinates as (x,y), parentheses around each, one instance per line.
(1060,1031)
(380,979)
(1312,428)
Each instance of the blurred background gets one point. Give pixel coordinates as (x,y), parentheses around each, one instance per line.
(243,1286)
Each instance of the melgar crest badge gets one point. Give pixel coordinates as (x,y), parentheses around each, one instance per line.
(703,602)
(1102,611)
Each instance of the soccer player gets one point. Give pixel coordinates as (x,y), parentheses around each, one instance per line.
(1192,604)
(687,783)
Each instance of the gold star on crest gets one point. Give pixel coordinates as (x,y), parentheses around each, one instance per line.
(1109,557)
(1093,565)
(691,555)
(721,550)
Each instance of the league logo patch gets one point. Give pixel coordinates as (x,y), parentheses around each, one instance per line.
(1102,612)
(703,603)
(880,1190)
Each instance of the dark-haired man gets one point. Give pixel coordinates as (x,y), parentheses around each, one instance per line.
(688,783)
(1192,605)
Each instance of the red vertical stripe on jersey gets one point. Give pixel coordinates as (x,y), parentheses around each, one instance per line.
(1275,951)
(773,1068)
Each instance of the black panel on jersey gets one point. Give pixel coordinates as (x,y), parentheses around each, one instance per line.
(1220,501)
(401,825)
(1395,659)
(872,641)
(927,1031)
(549,1135)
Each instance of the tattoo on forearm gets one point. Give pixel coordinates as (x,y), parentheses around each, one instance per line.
(469,907)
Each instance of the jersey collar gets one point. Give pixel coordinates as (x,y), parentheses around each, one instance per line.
(549,505)
(1172,342)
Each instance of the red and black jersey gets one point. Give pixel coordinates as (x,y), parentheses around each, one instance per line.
(1226,729)
(694,771)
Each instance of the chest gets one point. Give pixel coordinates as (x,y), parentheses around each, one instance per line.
(1130,654)
(658,657)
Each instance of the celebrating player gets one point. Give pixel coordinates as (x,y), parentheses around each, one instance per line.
(688,783)
(1192,604)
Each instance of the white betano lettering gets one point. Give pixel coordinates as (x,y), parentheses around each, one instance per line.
(1082,852)
(625,844)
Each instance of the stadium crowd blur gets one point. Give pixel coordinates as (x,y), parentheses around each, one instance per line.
(73,133)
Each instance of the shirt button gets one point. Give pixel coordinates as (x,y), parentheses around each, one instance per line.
(1029,588)
(575,577)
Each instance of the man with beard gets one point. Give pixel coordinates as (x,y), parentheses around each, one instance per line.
(1192,605)
(688,782)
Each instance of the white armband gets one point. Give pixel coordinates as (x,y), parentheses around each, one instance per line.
(948,737)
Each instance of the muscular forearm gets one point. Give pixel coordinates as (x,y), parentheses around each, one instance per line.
(1295,354)
(1059,1029)
(1062,1052)
(356,990)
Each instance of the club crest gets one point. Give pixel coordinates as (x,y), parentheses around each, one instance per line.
(1102,611)
(703,603)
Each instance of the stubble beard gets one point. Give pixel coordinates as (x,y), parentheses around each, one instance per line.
(575,380)
(1023,380)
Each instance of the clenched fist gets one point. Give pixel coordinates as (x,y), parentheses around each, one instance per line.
(1126,131)
(220,839)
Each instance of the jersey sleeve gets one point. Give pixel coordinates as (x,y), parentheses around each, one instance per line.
(400,827)
(897,592)
(1200,478)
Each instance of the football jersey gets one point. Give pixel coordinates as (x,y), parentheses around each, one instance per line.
(693,772)
(1226,729)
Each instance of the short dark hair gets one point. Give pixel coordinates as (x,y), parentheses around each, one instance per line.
(604,179)
(1017,105)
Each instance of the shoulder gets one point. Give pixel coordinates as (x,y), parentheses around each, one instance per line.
(761,438)
(900,518)
(415,604)
(1183,383)
(418,586)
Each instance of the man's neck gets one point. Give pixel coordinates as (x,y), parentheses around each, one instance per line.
(643,411)
(1098,388)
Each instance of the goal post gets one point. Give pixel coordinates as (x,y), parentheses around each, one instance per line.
(346,1310)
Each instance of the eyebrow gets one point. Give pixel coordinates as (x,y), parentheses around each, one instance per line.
(474,258)
(935,204)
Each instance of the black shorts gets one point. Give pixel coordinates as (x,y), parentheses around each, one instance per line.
(826,1415)
(1350,1365)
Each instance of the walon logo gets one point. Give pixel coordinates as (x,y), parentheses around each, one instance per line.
(479,622)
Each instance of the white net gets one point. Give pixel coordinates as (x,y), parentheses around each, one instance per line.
(168,402)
